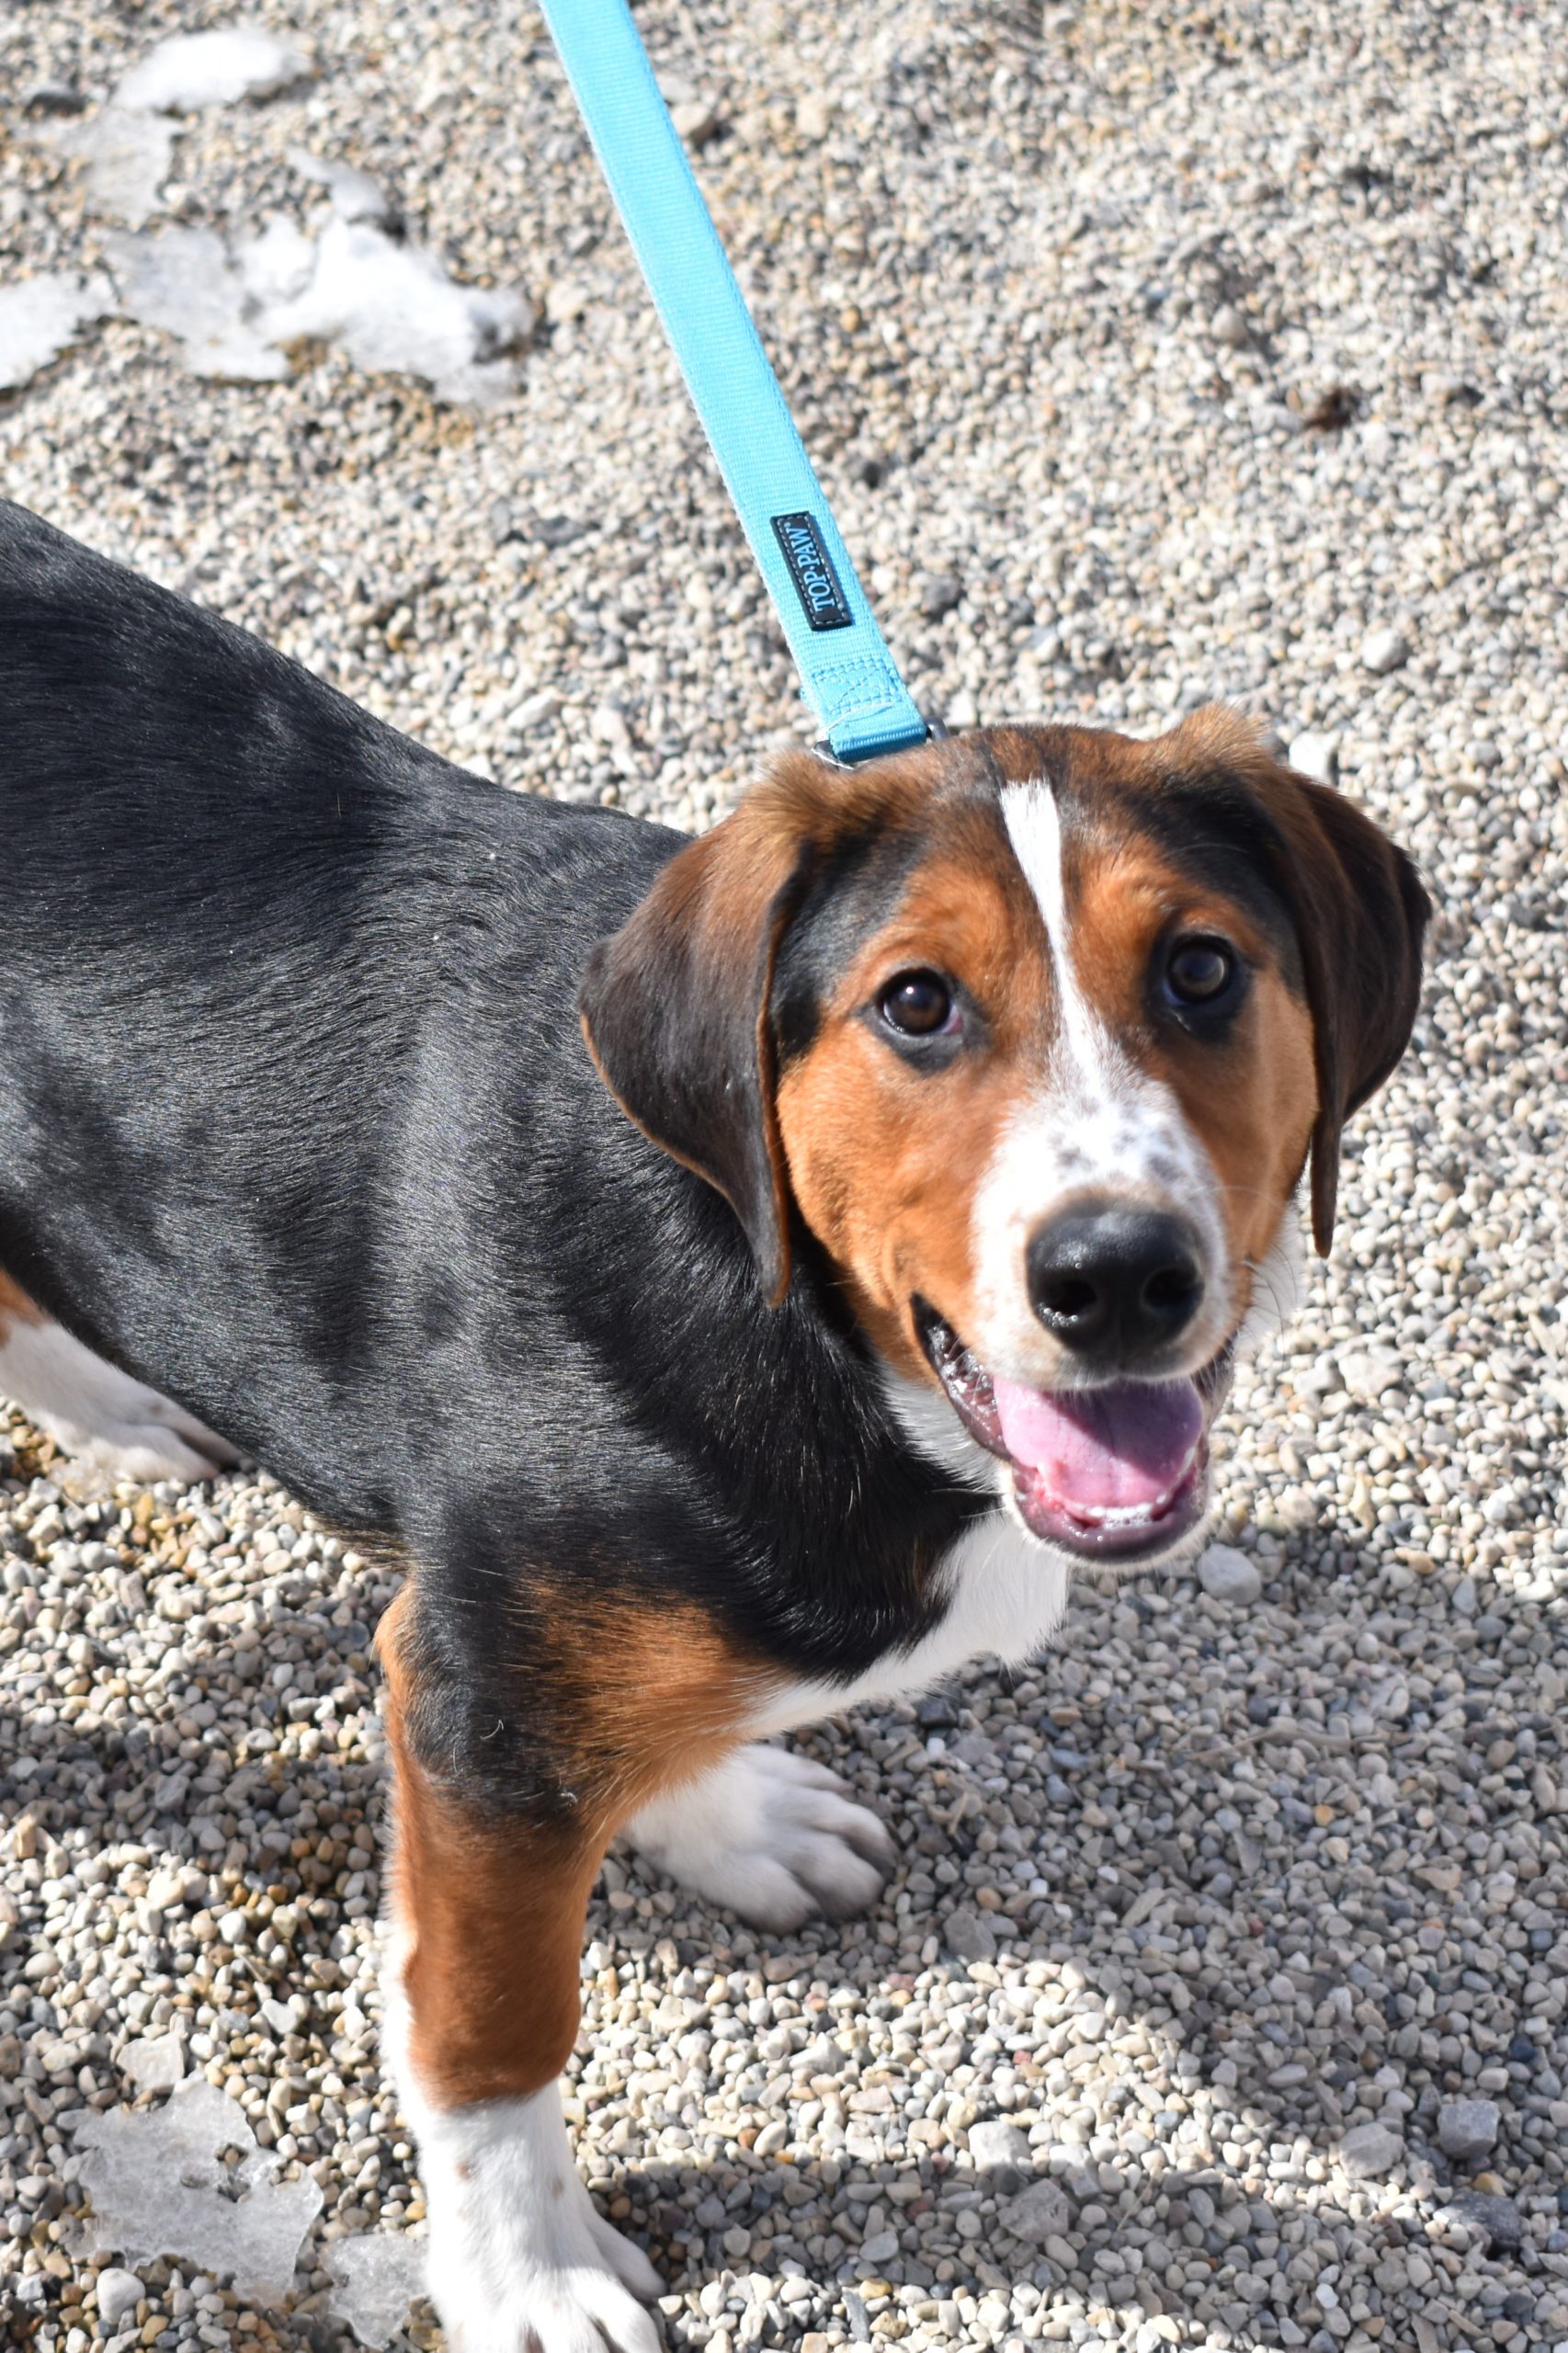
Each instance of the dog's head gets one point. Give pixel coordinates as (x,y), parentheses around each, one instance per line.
(1034,1031)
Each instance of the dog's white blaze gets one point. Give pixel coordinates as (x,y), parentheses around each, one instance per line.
(94,1411)
(1034,828)
(1097,1121)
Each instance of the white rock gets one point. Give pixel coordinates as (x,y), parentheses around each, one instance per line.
(40,316)
(564,300)
(696,119)
(154,2063)
(1367,1372)
(1229,327)
(211,70)
(962,709)
(354,195)
(120,2292)
(1228,1575)
(997,2143)
(375,2281)
(1368,2152)
(1315,756)
(127,158)
(277,264)
(394,310)
(158,2188)
(182,282)
(1383,650)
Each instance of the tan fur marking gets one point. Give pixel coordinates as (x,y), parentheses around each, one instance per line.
(16,1307)
(883,1159)
(647,1695)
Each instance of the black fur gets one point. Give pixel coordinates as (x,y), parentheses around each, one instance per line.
(297,1123)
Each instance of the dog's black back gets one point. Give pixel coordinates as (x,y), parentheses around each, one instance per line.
(327,1159)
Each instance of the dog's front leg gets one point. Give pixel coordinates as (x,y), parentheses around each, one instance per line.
(511,1774)
(485,1930)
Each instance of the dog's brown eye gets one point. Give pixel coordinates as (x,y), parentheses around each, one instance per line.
(917,1005)
(1199,971)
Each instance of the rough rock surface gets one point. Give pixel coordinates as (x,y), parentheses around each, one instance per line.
(1252,1878)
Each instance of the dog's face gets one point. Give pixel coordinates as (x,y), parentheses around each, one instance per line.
(1034,1033)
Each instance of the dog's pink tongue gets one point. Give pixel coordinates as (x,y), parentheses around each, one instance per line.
(1103,1449)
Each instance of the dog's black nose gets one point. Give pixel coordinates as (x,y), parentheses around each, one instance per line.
(1115,1286)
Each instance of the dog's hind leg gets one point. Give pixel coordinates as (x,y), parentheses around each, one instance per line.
(93,1409)
(520,1746)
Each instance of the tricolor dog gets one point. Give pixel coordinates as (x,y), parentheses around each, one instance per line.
(741,1276)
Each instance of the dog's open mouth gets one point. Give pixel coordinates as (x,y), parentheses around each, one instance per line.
(1118,1472)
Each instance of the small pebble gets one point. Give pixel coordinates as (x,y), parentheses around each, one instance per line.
(1039,2212)
(1383,650)
(969,1935)
(996,2142)
(1368,2151)
(119,2293)
(1315,756)
(1467,2129)
(1228,1575)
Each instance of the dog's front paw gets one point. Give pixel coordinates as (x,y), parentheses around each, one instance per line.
(770,1836)
(520,2260)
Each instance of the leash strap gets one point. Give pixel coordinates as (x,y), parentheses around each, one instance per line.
(848,676)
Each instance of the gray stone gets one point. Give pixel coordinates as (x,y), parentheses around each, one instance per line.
(1498,2217)
(1368,2151)
(1039,2212)
(1229,1577)
(970,1937)
(939,592)
(1467,2129)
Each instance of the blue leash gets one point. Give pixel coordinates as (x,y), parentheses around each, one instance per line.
(847,673)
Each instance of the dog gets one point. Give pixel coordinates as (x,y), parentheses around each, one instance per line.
(740,1276)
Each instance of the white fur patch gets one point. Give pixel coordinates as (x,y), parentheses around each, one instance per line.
(769,1836)
(94,1410)
(1007,1595)
(520,2260)
(1098,1122)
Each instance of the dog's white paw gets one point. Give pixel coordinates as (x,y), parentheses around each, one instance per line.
(101,1414)
(770,1836)
(520,2260)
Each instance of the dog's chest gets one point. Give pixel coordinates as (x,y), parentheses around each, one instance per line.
(1007,1596)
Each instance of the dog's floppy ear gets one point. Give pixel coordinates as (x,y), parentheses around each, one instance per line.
(675,1005)
(1359,914)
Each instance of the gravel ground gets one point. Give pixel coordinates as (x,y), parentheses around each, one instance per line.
(1150,353)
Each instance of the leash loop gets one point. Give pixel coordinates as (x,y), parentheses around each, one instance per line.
(847,675)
